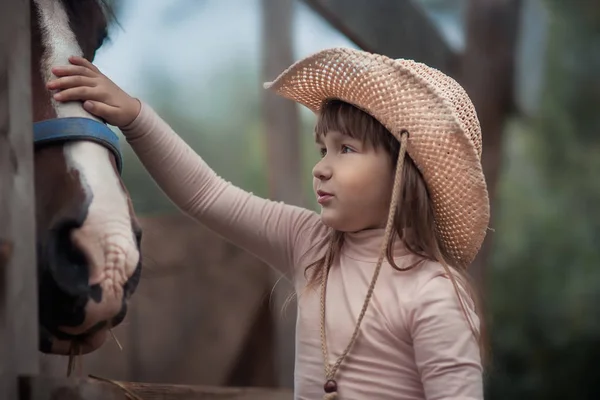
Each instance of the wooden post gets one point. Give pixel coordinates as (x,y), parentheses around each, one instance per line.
(282,136)
(281,116)
(18,283)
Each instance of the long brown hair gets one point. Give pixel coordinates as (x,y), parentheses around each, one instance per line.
(414,222)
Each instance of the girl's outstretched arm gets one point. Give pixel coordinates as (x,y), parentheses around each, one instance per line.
(275,232)
(268,229)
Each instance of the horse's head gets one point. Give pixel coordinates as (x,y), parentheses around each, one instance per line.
(87,234)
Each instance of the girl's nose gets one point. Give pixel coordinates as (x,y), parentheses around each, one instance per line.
(322,170)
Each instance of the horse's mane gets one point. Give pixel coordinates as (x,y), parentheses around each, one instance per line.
(89,20)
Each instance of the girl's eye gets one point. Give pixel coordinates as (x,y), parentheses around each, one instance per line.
(344,150)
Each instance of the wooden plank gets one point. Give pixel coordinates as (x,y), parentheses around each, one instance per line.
(51,388)
(282,124)
(397,29)
(18,294)
(97,388)
(152,391)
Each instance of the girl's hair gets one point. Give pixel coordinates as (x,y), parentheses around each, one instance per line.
(414,221)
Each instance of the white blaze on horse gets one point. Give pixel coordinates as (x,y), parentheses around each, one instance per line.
(88,238)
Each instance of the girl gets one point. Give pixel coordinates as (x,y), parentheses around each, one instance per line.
(384,309)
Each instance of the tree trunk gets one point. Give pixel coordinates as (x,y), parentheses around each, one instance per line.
(487,75)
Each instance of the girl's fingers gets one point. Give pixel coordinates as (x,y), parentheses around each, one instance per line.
(65,70)
(102,110)
(80,93)
(71,81)
(84,63)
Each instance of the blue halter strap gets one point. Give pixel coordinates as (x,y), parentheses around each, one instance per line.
(77,128)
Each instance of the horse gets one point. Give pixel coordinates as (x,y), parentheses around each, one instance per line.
(87,234)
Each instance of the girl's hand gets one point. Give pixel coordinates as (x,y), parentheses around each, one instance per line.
(82,81)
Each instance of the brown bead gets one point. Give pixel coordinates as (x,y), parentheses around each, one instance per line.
(330,386)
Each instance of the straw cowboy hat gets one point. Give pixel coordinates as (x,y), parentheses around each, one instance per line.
(444,136)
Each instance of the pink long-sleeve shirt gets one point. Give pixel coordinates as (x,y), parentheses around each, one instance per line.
(415,342)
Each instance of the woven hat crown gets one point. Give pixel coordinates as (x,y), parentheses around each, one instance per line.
(444,131)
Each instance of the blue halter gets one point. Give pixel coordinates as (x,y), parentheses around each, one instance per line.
(77,128)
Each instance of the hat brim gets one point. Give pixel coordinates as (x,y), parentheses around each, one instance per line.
(444,133)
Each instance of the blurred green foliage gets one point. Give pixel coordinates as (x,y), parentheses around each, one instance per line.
(545,275)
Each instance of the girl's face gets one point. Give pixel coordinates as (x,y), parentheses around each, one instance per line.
(353,183)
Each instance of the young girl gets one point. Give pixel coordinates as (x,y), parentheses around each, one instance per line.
(384,309)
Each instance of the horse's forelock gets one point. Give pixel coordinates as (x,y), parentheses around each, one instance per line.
(89,20)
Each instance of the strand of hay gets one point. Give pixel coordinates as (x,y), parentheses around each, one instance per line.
(130,395)
(76,361)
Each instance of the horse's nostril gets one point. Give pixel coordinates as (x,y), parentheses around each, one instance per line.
(137,232)
(68,264)
(96,293)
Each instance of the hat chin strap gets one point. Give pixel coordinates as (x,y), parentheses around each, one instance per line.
(330,387)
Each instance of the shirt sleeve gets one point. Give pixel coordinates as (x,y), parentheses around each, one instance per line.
(274,232)
(446,352)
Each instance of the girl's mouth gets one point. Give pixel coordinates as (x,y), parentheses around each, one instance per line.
(323,197)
